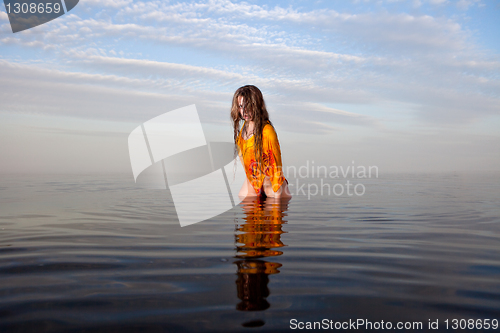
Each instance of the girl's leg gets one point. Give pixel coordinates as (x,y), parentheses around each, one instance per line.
(247,190)
(282,192)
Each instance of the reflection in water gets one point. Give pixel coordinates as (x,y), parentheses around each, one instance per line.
(259,236)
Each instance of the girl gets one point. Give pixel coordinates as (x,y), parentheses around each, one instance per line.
(257,144)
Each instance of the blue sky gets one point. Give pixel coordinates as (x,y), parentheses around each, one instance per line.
(404,85)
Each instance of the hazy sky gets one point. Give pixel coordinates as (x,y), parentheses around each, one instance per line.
(403,85)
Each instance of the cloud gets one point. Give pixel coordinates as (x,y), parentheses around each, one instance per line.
(438,2)
(292,54)
(106,3)
(3,16)
(144,67)
(216,17)
(230,29)
(31,89)
(465,4)
(26,88)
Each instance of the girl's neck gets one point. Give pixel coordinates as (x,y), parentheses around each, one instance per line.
(249,128)
(250,125)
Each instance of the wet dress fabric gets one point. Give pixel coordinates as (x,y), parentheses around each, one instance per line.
(271,160)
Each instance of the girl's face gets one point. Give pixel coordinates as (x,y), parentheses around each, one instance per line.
(244,112)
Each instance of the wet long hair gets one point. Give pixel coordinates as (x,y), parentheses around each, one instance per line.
(256,108)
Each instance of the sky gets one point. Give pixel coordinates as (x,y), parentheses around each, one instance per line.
(407,86)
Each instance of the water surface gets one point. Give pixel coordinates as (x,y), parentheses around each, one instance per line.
(100,254)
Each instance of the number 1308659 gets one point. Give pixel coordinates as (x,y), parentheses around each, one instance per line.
(33,8)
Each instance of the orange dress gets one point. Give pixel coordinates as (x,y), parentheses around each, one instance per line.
(271,160)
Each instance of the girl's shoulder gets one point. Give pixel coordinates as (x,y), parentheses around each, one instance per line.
(269,131)
(268,128)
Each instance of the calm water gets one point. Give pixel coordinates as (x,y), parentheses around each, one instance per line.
(100,254)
